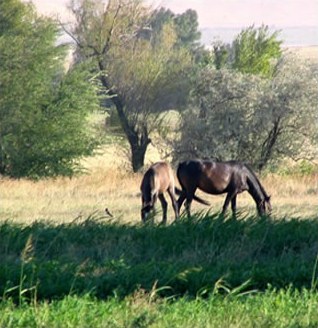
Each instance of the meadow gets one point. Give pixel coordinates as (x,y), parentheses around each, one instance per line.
(109,184)
(66,263)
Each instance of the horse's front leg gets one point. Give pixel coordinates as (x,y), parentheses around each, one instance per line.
(164,205)
(180,201)
(230,195)
(233,205)
(188,207)
(188,203)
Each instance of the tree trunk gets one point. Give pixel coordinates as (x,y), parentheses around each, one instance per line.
(138,140)
(268,145)
(138,153)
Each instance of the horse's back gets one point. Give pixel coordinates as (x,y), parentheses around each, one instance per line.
(163,176)
(160,176)
(211,176)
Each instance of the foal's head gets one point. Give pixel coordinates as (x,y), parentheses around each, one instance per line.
(147,207)
(145,211)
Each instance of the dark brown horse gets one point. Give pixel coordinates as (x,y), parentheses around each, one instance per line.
(156,181)
(216,178)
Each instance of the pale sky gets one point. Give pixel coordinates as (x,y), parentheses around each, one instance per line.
(227,13)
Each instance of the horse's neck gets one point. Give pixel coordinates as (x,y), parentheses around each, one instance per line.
(262,190)
(255,188)
(147,189)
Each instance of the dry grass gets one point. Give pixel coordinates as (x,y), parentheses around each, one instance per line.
(106,185)
(310,52)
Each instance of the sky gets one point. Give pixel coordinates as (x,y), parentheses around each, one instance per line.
(226,13)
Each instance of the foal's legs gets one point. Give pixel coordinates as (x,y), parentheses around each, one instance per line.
(173,201)
(164,205)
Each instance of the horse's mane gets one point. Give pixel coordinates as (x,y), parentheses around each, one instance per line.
(254,177)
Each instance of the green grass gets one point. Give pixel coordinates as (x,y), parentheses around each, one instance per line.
(269,309)
(198,272)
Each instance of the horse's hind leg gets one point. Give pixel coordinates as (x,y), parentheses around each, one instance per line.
(174,202)
(164,205)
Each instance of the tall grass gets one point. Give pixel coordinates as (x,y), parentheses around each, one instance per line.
(205,271)
(270,309)
(190,257)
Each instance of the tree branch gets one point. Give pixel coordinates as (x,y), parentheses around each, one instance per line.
(78,43)
(111,30)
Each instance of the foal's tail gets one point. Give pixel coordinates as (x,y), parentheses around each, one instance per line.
(196,198)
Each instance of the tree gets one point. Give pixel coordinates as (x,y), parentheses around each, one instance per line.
(254,51)
(143,78)
(43,110)
(158,19)
(249,118)
(186,27)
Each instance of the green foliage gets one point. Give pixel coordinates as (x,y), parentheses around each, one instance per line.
(43,110)
(219,56)
(157,73)
(255,49)
(303,168)
(249,118)
(145,76)
(186,26)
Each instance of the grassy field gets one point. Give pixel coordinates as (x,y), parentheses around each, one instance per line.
(64,262)
(106,185)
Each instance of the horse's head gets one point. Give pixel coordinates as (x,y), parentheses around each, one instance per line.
(265,207)
(145,211)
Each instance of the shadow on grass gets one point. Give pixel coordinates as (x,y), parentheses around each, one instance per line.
(189,257)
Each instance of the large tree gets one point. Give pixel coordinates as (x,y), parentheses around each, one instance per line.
(142,77)
(43,110)
(246,117)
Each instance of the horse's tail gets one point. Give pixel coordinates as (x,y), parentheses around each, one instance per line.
(196,198)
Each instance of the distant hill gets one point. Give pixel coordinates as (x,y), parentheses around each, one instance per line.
(291,36)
